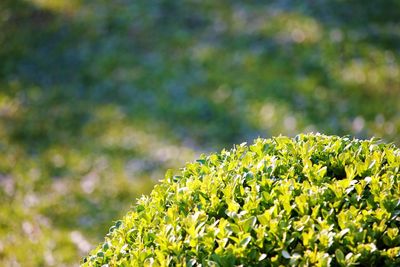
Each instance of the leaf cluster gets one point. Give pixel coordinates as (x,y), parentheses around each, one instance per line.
(312,200)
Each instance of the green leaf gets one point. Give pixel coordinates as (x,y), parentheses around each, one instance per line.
(285,254)
(249,223)
(245,241)
(340,257)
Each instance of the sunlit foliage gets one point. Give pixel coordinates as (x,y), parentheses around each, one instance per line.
(310,201)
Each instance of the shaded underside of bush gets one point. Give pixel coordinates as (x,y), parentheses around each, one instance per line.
(312,200)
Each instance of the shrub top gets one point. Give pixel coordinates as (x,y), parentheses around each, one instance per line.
(312,200)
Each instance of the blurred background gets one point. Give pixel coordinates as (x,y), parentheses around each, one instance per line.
(99,98)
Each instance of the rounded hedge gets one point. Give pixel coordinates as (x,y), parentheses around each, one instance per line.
(312,200)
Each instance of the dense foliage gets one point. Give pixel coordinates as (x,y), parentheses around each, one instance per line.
(312,200)
(99,98)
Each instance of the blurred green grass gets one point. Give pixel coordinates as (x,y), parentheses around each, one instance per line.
(99,98)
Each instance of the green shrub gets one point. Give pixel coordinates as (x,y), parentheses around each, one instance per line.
(312,200)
